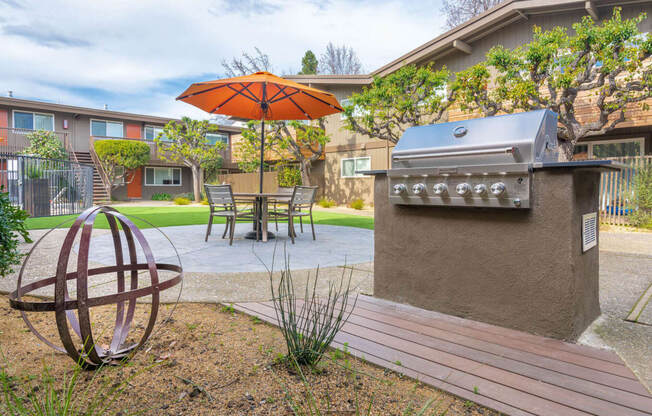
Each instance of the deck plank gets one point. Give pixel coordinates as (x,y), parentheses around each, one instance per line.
(388,306)
(540,349)
(511,374)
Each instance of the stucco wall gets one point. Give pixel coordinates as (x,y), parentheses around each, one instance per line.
(522,269)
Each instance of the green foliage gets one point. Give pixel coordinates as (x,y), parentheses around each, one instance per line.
(309,328)
(161,196)
(181,201)
(411,96)
(641,215)
(45,144)
(118,157)
(186,143)
(309,63)
(284,140)
(12,226)
(357,204)
(604,60)
(289,177)
(326,203)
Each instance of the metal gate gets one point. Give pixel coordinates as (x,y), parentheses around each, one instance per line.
(46,187)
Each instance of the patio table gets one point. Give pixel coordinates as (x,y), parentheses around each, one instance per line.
(260,211)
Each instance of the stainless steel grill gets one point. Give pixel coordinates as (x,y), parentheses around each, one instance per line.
(484,162)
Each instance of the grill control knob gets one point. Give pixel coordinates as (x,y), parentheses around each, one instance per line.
(399,189)
(498,188)
(480,189)
(440,189)
(463,189)
(419,189)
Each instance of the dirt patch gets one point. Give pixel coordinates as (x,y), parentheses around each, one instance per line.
(229,362)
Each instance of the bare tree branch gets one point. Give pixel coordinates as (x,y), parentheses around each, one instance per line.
(339,60)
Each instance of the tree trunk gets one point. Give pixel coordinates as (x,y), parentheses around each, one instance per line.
(196,187)
(566,148)
(108,188)
(305,173)
(202,172)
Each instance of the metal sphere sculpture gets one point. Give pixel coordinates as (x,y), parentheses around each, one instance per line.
(89,354)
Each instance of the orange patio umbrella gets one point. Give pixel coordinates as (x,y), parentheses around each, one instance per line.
(261,96)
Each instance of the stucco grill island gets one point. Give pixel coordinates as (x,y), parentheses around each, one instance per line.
(479,219)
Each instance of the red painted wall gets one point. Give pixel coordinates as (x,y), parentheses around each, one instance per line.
(133,131)
(4,123)
(135,187)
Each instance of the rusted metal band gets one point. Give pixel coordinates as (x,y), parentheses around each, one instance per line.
(91,355)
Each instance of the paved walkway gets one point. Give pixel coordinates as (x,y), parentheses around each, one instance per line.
(510,371)
(625,274)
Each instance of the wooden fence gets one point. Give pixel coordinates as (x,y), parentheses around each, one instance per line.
(249,182)
(617,190)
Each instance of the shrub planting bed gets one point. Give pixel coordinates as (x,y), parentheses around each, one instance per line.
(209,359)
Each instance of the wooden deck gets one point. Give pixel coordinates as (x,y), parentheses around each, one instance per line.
(513,372)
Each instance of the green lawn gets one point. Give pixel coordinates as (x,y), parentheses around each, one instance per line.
(180,215)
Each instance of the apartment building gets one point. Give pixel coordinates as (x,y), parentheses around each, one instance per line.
(510,24)
(79,127)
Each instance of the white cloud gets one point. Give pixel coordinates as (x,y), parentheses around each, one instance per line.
(138,55)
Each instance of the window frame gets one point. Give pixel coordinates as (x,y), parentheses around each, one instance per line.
(163,167)
(90,127)
(228,138)
(354,159)
(591,143)
(153,127)
(33,113)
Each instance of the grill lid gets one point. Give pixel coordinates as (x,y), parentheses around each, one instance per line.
(514,138)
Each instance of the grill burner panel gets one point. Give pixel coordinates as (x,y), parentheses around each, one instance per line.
(513,190)
(474,163)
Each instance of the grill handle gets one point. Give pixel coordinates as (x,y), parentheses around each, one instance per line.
(503,150)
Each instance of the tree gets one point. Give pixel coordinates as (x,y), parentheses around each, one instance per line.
(186,143)
(602,66)
(118,159)
(247,64)
(296,140)
(641,206)
(309,63)
(339,60)
(411,96)
(459,11)
(45,144)
(12,225)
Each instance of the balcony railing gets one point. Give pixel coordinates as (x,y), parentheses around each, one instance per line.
(14,141)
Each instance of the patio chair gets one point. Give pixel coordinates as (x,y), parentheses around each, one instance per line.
(299,205)
(222,204)
(284,200)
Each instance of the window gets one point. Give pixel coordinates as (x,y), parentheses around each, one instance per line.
(120,172)
(152,132)
(609,148)
(33,121)
(351,166)
(357,111)
(162,176)
(213,138)
(104,128)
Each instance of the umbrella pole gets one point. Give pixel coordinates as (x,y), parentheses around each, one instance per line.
(262,153)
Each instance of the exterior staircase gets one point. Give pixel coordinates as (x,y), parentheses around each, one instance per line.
(99,193)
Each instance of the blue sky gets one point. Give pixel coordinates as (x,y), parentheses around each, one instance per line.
(138,55)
